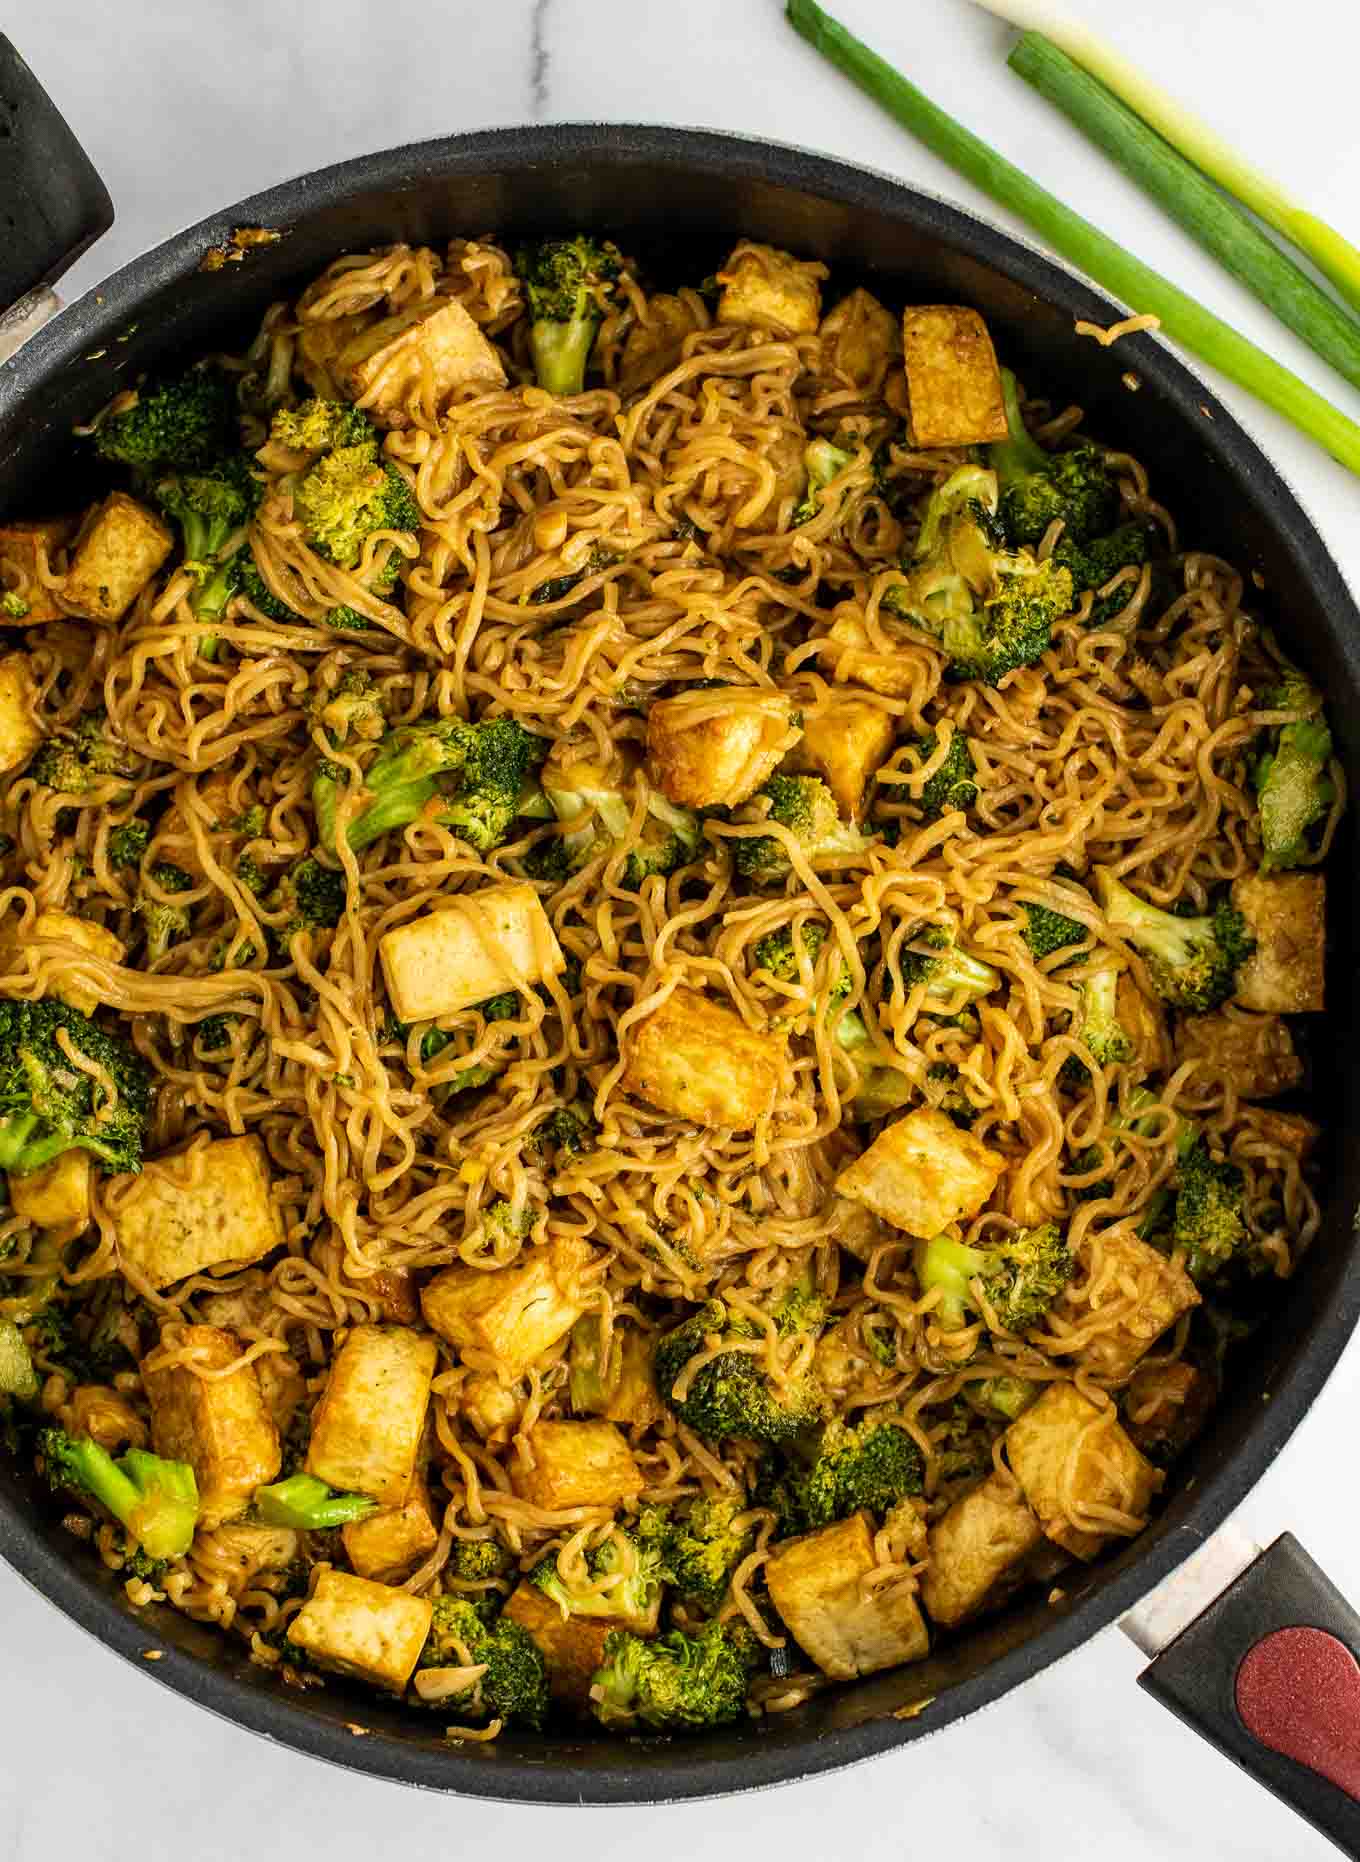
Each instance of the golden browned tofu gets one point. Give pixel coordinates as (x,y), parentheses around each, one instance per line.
(114,560)
(699,1061)
(845,742)
(577,1464)
(24,549)
(513,1313)
(1287,915)
(490,1406)
(282,1384)
(1252,1053)
(627,1392)
(477,945)
(711,747)
(922,1173)
(572,1647)
(857,1229)
(1071,1457)
(815,1584)
(219,1425)
(105,1416)
(654,344)
(198,1209)
(1289,1129)
(973,1546)
(953,382)
(1156,1291)
(1144,1021)
(435,343)
(62,928)
(1166,1406)
(848,654)
(57,1196)
(860,340)
(367,1427)
(20,731)
(360,1628)
(393,1291)
(389,1545)
(761,284)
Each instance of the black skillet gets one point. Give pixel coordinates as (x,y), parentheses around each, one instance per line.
(680,198)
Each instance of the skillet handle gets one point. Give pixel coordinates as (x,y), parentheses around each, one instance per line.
(1269,1674)
(52,202)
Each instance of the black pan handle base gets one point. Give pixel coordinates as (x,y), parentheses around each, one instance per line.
(1270,1674)
(52,202)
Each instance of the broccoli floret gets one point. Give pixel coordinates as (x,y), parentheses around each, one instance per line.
(1022,1275)
(1209,1224)
(823,462)
(81,756)
(1098,1026)
(347,495)
(935,960)
(568,1131)
(1046,931)
(1012,626)
(1002,1397)
(315,426)
(567,287)
(308,1505)
(476,770)
(954,784)
(1192,962)
(478,1561)
(871,1465)
(1095,563)
(127,844)
(172,424)
(256,591)
(210,505)
(154,1500)
(676,1680)
(48,1106)
(515,1684)
(945,1092)
(731,1395)
(163,924)
(1294,792)
(807,808)
(703,1547)
(1039,488)
(636,1562)
(594,815)
(13,607)
(214,1032)
(17,1375)
(881,1088)
(352,707)
(776,954)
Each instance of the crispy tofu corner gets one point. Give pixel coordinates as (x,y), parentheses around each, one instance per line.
(953,382)
(922,1173)
(572,1647)
(20,731)
(367,1427)
(197,1209)
(219,1424)
(1287,915)
(435,345)
(59,1197)
(1254,1054)
(360,1628)
(816,1584)
(707,748)
(1160,1289)
(511,1314)
(577,1464)
(1076,1466)
(976,1543)
(63,928)
(696,1059)
(388,1545)
(117,555)
(475,946)
(761,284)
(26,551)
(861,340)
(844,742)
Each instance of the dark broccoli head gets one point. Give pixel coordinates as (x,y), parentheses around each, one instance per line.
(1209,1224)
(676,1680)
(154,1500)
(163,923)
(209,504)
(1011,626)
(634,1563)
(514,1686)
(77,759)
(1046,931)
(1192,962)
(1022,1275)
(567,286)
(731,1396)
(954,783)
(871,1465)
(127,844)
(1040,488)
(1098,1026)
(346,496)
(315,426)
(1294,789)
(703,1547)
(935,960)
(172,424)
(48,1105)
(1098,561)
(807,808)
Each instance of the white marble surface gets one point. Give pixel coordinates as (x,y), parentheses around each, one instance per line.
(190,106)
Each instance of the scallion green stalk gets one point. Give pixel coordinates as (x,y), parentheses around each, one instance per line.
(1336,258)
(1142,289)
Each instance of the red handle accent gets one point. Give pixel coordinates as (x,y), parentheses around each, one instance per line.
(1298,1692)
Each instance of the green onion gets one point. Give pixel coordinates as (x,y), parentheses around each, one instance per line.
(1336,258)
(1219,226)
(1084,245)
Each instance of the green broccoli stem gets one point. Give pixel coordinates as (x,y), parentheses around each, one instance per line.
(17,1375)
(1014,458)
(1181,317)
(561,352)
(306,1504)
(155,1500)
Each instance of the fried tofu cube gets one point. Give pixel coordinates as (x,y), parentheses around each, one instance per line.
(62,928)
(973,1546)
(761,284)
(359,1628)
(219,1425)
(857,1229)
(367,1428)
(1070,1456)
(20,731)
(1253,1053)
(393,1291)
(198,1209)
(1144,1021)
(711,747)
(1287,915)
(698,1060)
(282,1384)
(861,341)
(577,1464)
(953,380)
(490,1406)
(514,1313)
(627,1393)
(849,655)
(572,1647)
(922,1173)
(24,549)
(815,1584)
(1129,1270)
(1288,1129)
(475,946)
(389,1545)
(845,741)
(389,362)
(115,558)
(58,1196)
(1166,1406)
